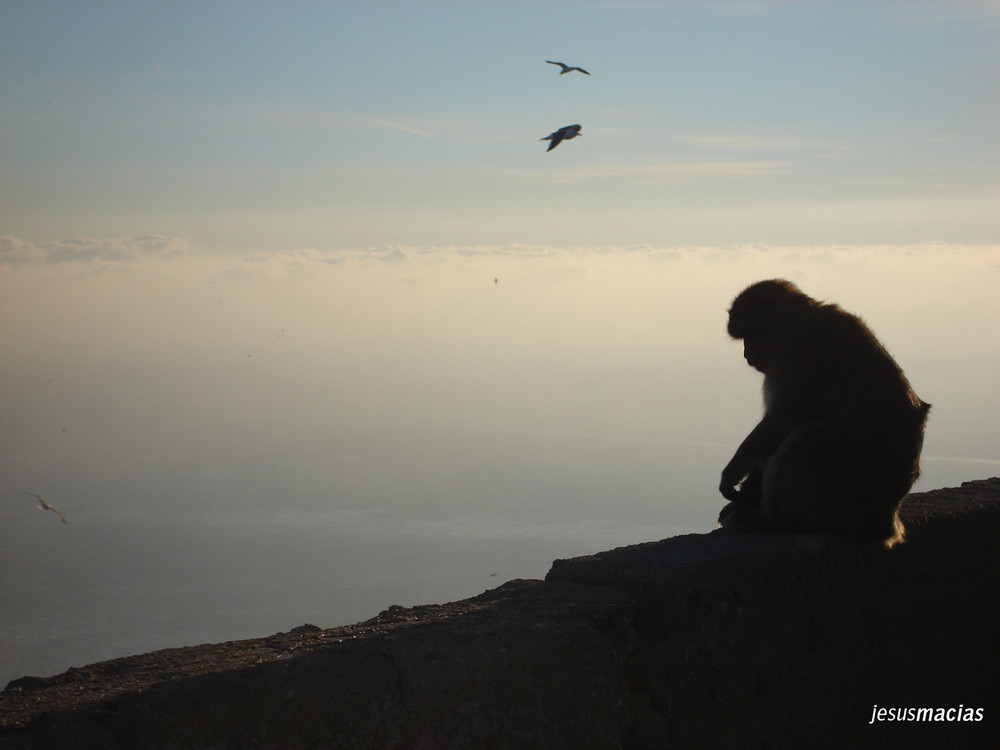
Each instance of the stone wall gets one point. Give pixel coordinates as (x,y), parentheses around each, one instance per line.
(719,640)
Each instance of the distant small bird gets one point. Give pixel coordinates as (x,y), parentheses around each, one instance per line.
(567,68)
(563,134)
(46,506)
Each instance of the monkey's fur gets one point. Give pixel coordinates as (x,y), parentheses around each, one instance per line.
(838,447)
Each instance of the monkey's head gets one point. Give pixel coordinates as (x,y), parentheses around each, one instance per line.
(758,316)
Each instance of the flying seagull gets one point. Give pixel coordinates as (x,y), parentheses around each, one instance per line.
(46,506)
(563,134)
(567,68)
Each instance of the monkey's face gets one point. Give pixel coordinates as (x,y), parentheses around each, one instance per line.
(755,350)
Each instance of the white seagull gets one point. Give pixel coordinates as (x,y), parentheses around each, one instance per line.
(567,68)
(46,506)
(563,134)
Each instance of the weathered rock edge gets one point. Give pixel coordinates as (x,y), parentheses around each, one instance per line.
(719,640)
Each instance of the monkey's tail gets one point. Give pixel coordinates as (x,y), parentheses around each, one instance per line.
(898,535)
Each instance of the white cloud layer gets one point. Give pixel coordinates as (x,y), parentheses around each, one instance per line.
(84,249)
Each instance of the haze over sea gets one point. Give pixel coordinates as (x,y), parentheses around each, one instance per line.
(241,446)
(299,319)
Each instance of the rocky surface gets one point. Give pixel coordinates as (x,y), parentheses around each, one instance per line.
(699,641)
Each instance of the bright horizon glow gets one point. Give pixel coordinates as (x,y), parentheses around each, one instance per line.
(468,337)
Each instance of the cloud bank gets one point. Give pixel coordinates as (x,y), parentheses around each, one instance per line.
(85,249)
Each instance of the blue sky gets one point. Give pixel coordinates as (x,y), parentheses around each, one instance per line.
(254,127)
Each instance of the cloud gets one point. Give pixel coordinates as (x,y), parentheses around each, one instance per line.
(717,7)
(296,259)
(401,126)
(919,14)
(87,249)
(697,169)
(326,120)
(16,250)
(765,142)
(305,259)
(158,251)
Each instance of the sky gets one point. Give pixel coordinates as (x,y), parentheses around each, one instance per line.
(299,319)
(357,194)
(263,126)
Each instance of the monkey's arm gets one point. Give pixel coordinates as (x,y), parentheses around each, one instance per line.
(755,449)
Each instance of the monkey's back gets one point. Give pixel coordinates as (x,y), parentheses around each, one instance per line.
(859,388)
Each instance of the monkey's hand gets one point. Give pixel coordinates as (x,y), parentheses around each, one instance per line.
(729,487)
(729,491)
(732,476)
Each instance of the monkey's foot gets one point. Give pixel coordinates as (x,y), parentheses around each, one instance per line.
(738,516)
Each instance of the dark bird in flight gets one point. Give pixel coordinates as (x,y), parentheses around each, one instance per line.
(563,134)
(567,68)
(46,506)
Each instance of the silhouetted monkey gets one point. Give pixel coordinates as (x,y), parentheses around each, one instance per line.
(838,447)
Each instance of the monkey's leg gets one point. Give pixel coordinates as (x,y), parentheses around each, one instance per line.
(816,481)
(744,513)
